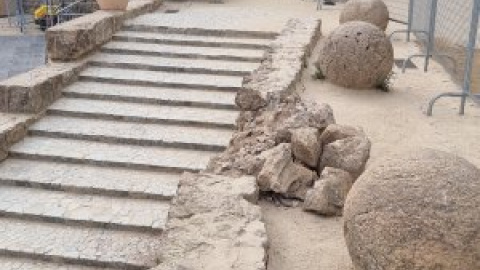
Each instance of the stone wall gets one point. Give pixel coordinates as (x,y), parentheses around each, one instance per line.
(215,222)
(293,147)
(279,74)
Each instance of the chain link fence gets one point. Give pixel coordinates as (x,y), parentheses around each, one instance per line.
(20,13)
(448,32)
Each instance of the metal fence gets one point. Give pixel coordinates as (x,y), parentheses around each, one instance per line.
(448,32)
(15,13)
(20,12)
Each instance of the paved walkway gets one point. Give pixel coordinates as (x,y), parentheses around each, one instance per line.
(90,187)
(19,54)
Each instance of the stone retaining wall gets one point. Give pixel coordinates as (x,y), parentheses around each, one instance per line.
(279,74)
(74,39)
(215,222)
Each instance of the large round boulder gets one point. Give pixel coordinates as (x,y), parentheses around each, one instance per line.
(356,55)
(417,211)
(372,11)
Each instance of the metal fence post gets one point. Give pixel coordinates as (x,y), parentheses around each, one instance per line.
(431,33)
(467,82)
(409,30)
(410,19)
(466,89)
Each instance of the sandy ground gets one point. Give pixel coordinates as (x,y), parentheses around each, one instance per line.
(304,241)
(397,120)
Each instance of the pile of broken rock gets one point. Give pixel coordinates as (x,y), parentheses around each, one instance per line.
(295,149)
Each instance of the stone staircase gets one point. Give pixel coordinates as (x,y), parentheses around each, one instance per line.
(90,186)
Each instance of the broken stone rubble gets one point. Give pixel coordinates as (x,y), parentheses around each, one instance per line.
(280,138)
(282,175)
(328,195)
(286,146)
(306,145)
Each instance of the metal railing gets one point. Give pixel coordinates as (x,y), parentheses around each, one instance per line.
(59,11)
(75,10)
(446,36)
(16,14)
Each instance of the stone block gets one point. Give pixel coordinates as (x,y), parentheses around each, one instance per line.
(329,193)
(76,38)
(33,91)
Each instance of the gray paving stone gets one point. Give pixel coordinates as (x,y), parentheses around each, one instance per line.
(156,63)
(133,133)
(222,21)
(158,78)
(21,54)
(25,264)
(144,113)
(155,95)
(79,245)
(232,54)
(107,154)
(93,210)
(192,40)
(88,179)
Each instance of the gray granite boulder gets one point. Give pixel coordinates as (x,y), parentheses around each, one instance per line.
(329,193)
(356,55)
(350,154)
(306,146)
(418,211)
(336,132)
(371,11)
(281,175)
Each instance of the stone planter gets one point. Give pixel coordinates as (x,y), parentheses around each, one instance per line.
(113,4)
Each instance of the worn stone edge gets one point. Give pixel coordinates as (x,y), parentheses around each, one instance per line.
(214,223)
(75,39)
(32,92)
(15,131)
(281,71)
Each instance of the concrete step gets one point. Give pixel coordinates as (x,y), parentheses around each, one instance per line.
(148,26)
(82,246)
(140,48)
(161,79)
(192,40)
(13,263)
(83,209)
(167,64)
(132,133)
(85,179)
(113,155)
(154,95)
(144,113)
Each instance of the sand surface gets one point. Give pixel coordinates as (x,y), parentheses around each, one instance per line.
(304,241)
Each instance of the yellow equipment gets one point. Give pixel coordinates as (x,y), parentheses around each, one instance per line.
(46,16)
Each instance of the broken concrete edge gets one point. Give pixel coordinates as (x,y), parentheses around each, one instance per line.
(278,75)
(14,127)
(75,39)
(32,92)
(214,222)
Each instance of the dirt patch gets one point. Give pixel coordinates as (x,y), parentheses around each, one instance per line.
(304,241)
